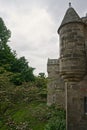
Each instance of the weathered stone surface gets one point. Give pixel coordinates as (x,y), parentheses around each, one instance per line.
(56,89)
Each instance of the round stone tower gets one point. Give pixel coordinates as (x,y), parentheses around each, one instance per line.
(72,47)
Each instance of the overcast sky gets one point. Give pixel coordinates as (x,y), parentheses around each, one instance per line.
(34,24)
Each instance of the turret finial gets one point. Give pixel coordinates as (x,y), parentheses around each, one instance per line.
(69,4)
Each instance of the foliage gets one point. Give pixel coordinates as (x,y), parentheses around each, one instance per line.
(27,74)
(57,120)
(4,33)
(41,81)
(23,73)
(24,76)
(42,75)
(8,59)
(19,65)
(6,56)
(21,106)
(16,79)
(5,52)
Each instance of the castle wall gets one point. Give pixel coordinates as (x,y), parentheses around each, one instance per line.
(85,31)
(76,114)
(56,89)
(84,19)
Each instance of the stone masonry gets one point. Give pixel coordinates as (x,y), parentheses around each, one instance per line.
(67,86)
(56,87)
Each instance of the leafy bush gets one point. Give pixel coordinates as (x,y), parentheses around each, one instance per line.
(5,106)
(2,70)
(41,81)
(16,79)
(55,124)
(57,121)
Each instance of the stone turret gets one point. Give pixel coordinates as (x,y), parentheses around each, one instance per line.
(72,47)
(73,62)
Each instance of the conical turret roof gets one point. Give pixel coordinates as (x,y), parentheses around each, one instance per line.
(70,16)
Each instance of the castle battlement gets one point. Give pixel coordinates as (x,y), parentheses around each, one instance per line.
(84,19)
(52,61)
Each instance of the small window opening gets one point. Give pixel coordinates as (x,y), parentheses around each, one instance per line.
(85,105)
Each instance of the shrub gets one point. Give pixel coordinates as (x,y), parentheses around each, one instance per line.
(57,121)
(16,79)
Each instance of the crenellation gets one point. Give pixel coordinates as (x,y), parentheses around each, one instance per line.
(52,61)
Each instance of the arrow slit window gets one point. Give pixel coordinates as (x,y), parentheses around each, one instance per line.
(85,105)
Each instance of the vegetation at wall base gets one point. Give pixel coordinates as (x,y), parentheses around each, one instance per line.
(57,120)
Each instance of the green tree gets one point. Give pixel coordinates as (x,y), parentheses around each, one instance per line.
(41,75)
(5,34)
(41,80)
(19,65)
(6,55)
(27,75)
(23,72)
(8,59)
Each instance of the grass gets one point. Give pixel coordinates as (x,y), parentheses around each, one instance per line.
(34,114)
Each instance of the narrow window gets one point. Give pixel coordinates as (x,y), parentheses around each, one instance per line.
(85,105)
(54,98)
